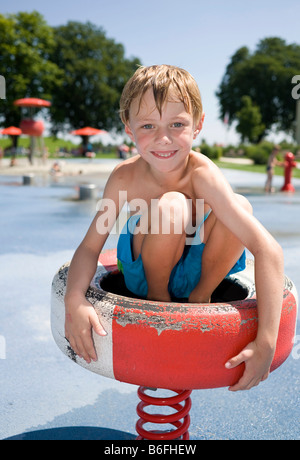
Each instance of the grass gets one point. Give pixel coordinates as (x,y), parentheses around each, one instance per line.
(54,144)
(255,168)
(51,143)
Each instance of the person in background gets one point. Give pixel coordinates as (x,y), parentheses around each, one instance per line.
(272,162)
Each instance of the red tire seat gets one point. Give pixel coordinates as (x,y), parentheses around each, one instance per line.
(172,345)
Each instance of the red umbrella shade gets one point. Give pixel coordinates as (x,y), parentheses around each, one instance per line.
(11,131)
(87,131)
(32,102)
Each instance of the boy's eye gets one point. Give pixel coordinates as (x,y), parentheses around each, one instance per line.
(177,124)
(148,126)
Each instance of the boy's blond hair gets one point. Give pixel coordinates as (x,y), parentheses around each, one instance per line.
(167,83)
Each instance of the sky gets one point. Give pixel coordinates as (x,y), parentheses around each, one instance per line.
(200,36)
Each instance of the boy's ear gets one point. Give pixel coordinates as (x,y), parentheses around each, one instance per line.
(198,127)
(129,132)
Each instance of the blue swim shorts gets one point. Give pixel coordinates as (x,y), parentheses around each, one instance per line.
(184,276)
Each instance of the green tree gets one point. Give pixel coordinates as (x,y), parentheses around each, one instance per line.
(95,71)
(265,76)
(26,42)
(249,118)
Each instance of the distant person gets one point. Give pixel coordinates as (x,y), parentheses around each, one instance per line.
(122,151)
(133,151)
(272,162)
(90,155)
(56,169)
(45,155)
(13,161)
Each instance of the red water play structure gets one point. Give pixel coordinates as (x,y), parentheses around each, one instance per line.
(30,126)
(289,164)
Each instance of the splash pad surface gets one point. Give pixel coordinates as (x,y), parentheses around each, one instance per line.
(43,390)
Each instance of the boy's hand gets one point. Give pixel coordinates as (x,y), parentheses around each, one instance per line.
(257,365)
(79,321)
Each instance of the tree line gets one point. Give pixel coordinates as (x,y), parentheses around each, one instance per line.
(82,72)
(256,91)
(75,66)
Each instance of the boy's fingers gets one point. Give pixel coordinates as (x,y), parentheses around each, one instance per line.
(90,350)
(242,384)
(89,347)
(96,325)
(80,350)
(83,344)
(84,348)
(238,359)
(246,382)
(265,376)
(235,361)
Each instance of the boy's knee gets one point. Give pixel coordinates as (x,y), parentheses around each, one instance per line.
(172,199)
(173,211)
(244,203)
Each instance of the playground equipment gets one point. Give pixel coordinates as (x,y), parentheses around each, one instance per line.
(30,126)
(177,346)
(12,131)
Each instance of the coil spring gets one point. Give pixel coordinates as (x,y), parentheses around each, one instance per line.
(181,431)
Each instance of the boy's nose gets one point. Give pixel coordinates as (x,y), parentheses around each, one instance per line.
(163,137)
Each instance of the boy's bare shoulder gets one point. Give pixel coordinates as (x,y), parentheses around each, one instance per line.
(128,164)
(206,176)
(125,170)
(202,166)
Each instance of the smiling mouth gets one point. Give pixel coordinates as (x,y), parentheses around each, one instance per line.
(164,155)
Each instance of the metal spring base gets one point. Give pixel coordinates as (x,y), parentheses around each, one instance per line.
(181,431)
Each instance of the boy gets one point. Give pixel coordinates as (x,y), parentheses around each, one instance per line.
(162,112)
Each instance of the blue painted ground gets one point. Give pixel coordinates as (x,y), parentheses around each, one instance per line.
(43,395)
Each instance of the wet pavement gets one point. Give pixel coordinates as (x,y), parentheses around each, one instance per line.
(46,396)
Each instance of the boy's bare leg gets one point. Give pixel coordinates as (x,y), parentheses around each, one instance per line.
(221,252)
(159,258)
(161,251)
(163,245)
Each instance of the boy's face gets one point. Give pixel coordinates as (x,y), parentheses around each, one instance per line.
(162,141)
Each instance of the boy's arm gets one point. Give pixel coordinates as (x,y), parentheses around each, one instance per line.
(269,277)
(80,315)
(269,281)
(258,355)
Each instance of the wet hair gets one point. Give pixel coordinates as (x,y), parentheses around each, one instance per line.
(168,83)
